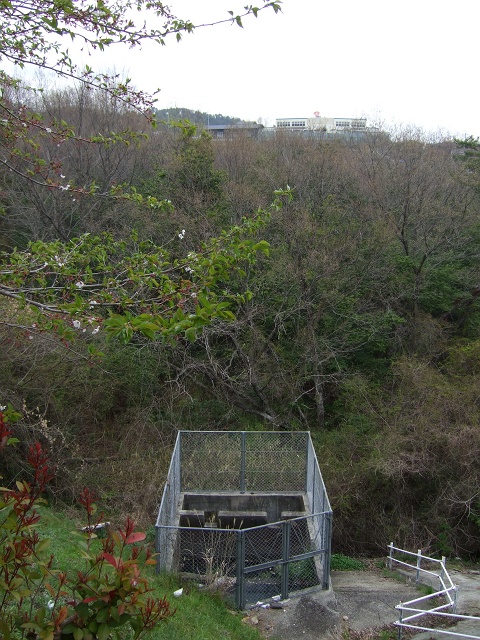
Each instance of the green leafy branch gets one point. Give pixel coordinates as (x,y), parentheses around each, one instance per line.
(129,287)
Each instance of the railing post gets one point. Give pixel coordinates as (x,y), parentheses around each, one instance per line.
(327,518)
(314,486)
(157,549)
(390,555)
(285,557)
(243,463)
(310,459)
(419,565)
(455,599)
(179,461)
(240,574)
(442,572)
(400,624)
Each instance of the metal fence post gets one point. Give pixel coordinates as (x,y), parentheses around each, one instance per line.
(243,463)
(314,486)
(240,571)
(307,462)
(157,548)
(400,627)
(328,550)
(285,558)
(390,555)
(179,461)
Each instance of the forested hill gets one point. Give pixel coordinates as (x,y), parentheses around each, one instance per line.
(361,325)
(194,116)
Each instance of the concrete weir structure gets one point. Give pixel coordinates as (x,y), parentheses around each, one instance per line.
(247,512)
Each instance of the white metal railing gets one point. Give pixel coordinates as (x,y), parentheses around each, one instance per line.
(411,612)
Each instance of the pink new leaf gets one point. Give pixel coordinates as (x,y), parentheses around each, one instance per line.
(135,537)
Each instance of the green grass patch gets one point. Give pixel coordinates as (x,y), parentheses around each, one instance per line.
(200,615)
(59,528)
(340,562)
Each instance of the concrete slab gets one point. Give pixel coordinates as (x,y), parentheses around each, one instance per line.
(367,599)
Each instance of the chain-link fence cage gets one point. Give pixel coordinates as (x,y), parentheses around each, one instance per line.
(246,513)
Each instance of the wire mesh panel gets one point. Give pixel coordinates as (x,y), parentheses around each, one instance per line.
(281,558)
(263,544)
(243,461)
(209,553)
(211,461)
(307,553)
(303,538)
(315,488)
(275,461)
(263,554)
(261,584)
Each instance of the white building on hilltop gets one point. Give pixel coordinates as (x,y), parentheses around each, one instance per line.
(318,123)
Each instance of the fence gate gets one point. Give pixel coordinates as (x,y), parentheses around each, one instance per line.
(280,559)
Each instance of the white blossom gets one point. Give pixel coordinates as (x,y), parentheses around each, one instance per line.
(181,235)
(77,324)
(48,130)
(80,284)
(95,331)
(3,407)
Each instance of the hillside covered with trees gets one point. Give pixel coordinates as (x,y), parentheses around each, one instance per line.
(360,325)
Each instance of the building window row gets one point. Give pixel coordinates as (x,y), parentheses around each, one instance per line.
(291,123)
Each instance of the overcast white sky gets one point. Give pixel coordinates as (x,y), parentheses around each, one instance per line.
(408,62)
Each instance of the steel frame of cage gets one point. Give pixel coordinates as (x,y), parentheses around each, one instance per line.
(248,463)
